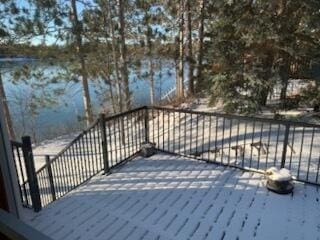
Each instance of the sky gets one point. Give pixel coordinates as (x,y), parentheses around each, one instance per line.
(49,40)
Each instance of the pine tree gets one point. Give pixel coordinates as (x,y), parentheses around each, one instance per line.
(181,41)
(253,45)
(199,67)
(190,49)
(123,54)
(78,32)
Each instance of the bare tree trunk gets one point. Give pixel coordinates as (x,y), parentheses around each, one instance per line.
(151,66)
(284,76)
(115,57)
(112,99)
(283,92)
(200,45)
(123,56)
(151,72)
(180,83)
(284,66)
(6,111)
(85,86)
(106,76)
(190,52)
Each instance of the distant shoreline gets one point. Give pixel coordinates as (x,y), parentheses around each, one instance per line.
(17,59)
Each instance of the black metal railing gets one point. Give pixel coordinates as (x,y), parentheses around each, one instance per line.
(237,141)
(18,155)
(107,143)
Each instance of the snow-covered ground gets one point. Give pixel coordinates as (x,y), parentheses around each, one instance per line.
(301,114)
(168,197)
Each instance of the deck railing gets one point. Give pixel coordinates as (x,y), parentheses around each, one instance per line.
(238,141)
(107,143)
(19,151)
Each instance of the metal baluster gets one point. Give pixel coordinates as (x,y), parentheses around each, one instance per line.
(301,147)
(152,114)
(50,175)
(136,131)
(158,128)
(95,133)
(120,138)
(203,127)
(230,135)
(252,139)
(244,141)
(132,134)
(179,116)
(277,142)
(24,179)
(82,164)
(174,132)
(190,134)
(268,146)
(163,130)
(197,135)
(115,141)
(216,141)
(71,168)
(111,148)
(32,177)
(285,145)
(261,145)
(237,142)
(168,131)
(94,167)
(318,168)
(222,142)
(310,153)
(292,146)
(209,140)
(185,134)
(76,165)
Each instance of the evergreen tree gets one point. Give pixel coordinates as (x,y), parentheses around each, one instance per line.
(77,31)
(252,46)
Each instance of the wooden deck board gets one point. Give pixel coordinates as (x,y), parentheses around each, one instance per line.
(167,197)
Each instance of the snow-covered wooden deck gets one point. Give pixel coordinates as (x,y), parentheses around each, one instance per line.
(167,197)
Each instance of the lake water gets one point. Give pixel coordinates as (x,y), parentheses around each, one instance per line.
(63,117)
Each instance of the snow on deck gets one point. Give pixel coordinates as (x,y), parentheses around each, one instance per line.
(167,197)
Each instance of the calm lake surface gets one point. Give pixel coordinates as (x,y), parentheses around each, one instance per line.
(64,116)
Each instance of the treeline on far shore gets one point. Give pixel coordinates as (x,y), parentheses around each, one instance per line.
(57,52)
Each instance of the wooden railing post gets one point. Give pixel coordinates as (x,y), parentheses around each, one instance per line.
(51,183)
(146,124)
(102,121)
(31,173)
(285,145)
